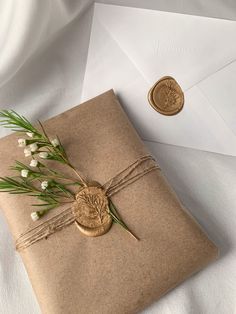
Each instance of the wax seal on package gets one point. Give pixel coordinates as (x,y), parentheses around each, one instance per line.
(166,96)
(92,213)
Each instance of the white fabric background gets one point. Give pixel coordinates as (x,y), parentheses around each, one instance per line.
(43,50)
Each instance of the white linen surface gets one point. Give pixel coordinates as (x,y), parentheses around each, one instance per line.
(43,55)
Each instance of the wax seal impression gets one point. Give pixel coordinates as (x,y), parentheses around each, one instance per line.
(166,96)
(91,210)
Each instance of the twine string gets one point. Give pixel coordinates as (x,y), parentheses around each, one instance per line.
(124,175)
(127,176)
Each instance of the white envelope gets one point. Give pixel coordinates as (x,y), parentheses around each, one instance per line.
(131,48)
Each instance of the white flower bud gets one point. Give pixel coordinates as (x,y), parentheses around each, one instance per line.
(34,163)
(24,173)
(33,147)
(22,142)
(27,152)
(44,185)
(43,155)
(55,142)
(30,134)
(34,216)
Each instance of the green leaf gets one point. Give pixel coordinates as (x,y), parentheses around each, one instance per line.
(11,119)
(116,218)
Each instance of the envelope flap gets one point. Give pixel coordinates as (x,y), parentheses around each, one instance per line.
(187,47)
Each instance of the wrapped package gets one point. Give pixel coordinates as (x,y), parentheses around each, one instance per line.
(113,273)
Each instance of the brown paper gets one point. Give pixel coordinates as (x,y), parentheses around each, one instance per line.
(113,273)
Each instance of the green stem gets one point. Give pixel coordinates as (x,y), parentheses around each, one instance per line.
(117,219)
(62,156)
(77,173)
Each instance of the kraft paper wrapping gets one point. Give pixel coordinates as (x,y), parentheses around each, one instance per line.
(113,273)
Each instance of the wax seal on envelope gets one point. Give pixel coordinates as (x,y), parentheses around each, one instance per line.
(166,96)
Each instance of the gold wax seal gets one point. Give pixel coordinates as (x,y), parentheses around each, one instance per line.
(166,96)
(91,211)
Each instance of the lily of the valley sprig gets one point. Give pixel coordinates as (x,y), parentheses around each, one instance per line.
(34,178)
